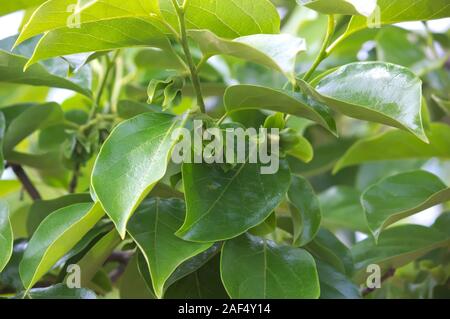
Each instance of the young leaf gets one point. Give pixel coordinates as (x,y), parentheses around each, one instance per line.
(56,236)
(214,199)
(398,145)
(56,14)
(348,7)
(6,236)
(152,228)
(401,196)
(100,36)
(226,18)
(252,267)
(396,247)
(248,97)
(374,91)
(132,160)
(276,51)
(394,11)
(305,211)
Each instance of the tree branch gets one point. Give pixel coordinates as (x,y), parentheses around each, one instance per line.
(26,181)
(390,273)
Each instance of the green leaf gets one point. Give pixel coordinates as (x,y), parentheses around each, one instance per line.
(443,104)
(205,283)
(325,157)
(152,228)
(128,109)
(59,291)
(227,18)
(305,211)
(16,5)
(347,7)
(374,91)
(276,51)
(394,11)
(334,284)
(56,236)
(248,97)
(257,268)
(40,209)
(94,259)
(132,285)
(341,208)
(268,226)
(6,236)
(400,196)
(328,248)
(57,14)
(398,145)
(131,161)
(2,136)
(214,199)
(396,247)
(12,71)
(100,36)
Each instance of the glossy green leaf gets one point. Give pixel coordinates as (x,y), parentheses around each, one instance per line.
(57,234)
(59,291)
(341,209)
(128,109)
(401,196)
(257,268)
(396,247)
(276,51)
(56,14)
(12,71)
(16,5)
(40,209)
(268,226)
(100,36)
(216,212)
(34,118)
(94,259)
(6,236)
(334,284)
(205,283)
(152,228)
(348,7)
(329,249)
(132,285)
(226,18)
(131,162)
(305,211)
(248,97)
(394,11)
(398,145)
(374,91)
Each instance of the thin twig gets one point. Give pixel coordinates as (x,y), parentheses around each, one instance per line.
(74,181)
(390,273)
(26,181)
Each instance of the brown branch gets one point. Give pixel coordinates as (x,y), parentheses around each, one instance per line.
(74,181)
(390,273)
(26,181)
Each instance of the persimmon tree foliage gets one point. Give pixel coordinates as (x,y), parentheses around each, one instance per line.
(93,206)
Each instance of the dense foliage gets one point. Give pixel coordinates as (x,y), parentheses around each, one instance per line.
(93,206)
